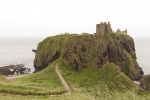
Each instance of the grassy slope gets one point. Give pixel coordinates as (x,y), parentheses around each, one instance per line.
(42,82)
(107,83)
(90,78)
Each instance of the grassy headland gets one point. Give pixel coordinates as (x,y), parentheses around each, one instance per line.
(96,68)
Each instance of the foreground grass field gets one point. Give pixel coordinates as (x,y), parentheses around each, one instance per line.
(45,81)
(102,84)
(90,84)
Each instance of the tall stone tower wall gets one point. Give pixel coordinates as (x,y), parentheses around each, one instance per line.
(108,29)
(100,28)
(103,28)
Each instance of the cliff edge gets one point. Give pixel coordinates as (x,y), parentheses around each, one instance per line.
(90,50)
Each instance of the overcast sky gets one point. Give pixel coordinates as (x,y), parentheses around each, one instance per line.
(42,18)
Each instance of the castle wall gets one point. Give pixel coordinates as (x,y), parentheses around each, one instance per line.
(108,29)
(103,28)
(124,32)
(121,32)
(118,31)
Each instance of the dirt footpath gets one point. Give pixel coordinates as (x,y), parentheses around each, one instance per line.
(63,81)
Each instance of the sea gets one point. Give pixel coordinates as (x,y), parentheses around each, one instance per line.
(142,47)
(14,50)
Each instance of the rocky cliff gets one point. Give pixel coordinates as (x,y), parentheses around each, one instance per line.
(89,50)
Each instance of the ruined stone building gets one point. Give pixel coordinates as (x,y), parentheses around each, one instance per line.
(105,28)
(121,32)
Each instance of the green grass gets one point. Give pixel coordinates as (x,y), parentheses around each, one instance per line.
(78,94)
(43,82)
(48,48)
(128,65)
(107,83)
(91,76)
(89,84)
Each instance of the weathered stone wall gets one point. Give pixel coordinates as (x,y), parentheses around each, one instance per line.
(121,32)
(103,28)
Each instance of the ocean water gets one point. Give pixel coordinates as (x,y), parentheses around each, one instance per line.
(142,47)
(19,50)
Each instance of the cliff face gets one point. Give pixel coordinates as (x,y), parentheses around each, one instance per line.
(81,51)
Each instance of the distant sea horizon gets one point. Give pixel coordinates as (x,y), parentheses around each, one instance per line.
(14,50)
(142,49)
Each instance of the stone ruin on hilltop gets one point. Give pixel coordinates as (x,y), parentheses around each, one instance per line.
(105,28)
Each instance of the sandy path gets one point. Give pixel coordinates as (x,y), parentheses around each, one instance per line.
(136,82)
(62,78)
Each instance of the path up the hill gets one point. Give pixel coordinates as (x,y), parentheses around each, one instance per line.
(63,81)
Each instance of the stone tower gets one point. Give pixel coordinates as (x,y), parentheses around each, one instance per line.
(103,28)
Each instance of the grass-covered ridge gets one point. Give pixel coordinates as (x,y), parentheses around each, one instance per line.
(45,81)
(106,83)
(90,77)
(80,51)
(94,66)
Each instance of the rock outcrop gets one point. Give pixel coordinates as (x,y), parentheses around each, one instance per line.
(145,83)
(14,69)
(81,51)
(33,50)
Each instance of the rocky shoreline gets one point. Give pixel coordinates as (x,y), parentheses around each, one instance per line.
(18,69)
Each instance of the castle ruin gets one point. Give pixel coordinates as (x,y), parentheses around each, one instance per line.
(121,32)
(105,28)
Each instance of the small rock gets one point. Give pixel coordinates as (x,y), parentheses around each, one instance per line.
(145,83)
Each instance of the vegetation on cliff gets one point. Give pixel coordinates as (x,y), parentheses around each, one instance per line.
(81,51)
(95,66)
(106,83)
